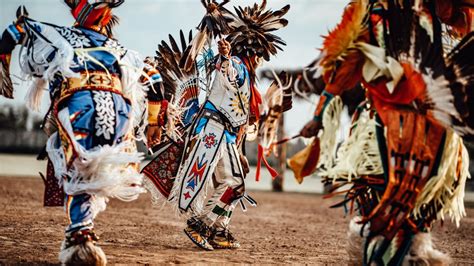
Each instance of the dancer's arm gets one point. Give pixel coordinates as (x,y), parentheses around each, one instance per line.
(156,104)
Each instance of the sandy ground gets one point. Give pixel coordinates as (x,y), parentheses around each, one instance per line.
(285,228)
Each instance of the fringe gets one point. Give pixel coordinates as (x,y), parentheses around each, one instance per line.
(35,94)
(331,124)
(447,188)
(132,69)
(47,42)
(174,115)
(197,206)
(359,154)
(105,172)
(39,65)
(156,197)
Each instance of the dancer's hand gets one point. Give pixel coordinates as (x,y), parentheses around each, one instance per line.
(224,47)
(153,135)
(311,129)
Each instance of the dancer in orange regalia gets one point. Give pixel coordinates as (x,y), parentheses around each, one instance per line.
(405,156)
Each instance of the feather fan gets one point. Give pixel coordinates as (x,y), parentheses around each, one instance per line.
(181,86)
(215,23)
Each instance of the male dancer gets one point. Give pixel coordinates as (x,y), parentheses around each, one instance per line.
(213,153)
(404,157)
(98,97)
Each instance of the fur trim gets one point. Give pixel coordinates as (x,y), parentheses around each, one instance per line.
(355,241)
(422,252)
(84,254)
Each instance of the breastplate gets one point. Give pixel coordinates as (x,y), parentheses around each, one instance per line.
(230,99)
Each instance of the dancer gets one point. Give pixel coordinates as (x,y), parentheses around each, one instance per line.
(213,156)
(98,100)
(405,156)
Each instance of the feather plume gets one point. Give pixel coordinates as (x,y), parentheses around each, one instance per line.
(215,23)
(460,73)
(6,86)
(340,42)
(252,35)
(114,21)
(305,82)
(181,85)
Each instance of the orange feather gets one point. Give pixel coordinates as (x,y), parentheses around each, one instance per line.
(341,42)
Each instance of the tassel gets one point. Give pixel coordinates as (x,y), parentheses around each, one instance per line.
(242,205)
(250,200)
(261,158)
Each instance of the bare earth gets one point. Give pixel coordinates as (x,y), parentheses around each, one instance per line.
(285,228)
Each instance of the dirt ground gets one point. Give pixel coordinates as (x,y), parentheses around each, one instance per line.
(285,228)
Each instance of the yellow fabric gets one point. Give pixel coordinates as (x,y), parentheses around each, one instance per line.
(154,109)
(93,80)
(297,162)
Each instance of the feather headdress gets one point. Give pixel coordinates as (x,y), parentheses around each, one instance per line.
(251,34)
(95,13)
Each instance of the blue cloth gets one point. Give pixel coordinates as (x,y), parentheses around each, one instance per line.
(83,117)
(79,212)
(242,72)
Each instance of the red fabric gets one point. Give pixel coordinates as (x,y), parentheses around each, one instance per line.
(255,97)
(229,196)
(162,115)
(255,101)
(260,158)
(408,89)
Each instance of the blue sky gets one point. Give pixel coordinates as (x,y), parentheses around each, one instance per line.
(144,23)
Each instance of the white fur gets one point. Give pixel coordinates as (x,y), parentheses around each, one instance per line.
(355,242)
(422,252)
(84,254)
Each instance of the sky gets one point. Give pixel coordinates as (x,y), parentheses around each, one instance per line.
(144,23)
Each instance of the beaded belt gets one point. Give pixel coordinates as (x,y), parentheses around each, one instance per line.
(92,80)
